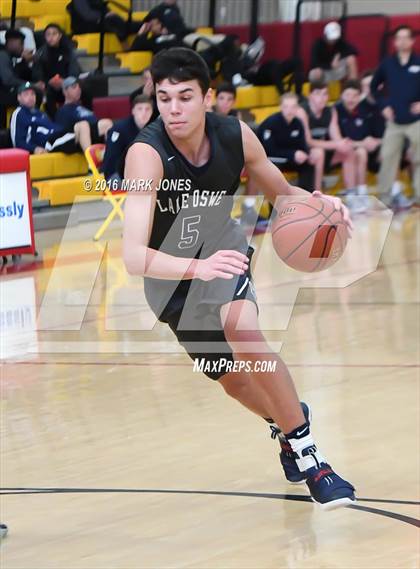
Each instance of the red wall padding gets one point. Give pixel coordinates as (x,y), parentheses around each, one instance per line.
(111,107)
(364,32)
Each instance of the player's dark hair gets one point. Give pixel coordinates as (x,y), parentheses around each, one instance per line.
(141,99)
(403,27)
(367,73)
(180,64)
(317,85)
(55,26)
(226,88)
(14,35)
(352,84)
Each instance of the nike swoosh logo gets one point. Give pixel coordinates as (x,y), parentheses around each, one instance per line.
(301,432)
(171,158)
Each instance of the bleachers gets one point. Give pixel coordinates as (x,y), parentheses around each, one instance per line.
(59,178)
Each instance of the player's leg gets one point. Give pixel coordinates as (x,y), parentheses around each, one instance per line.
(82,132)
(241,328)
(391,150)
(317,159)
(242,387)
(240,323)
(361,165)
(348,163)
(103,126)
(352,68)
(413,134)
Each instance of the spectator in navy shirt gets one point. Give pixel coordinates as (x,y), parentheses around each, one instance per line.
(370,106)
(169,14)
(123,133)
(283,138)
(396,86)
(33,130)
(356,123)
(74,117)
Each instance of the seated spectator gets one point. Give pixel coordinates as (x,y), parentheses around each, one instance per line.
(225,100)
(241,67)
(86,18)
(283,138)
(55,60)
(14,71)
(153,36)
(147,88)
(33,130)
(74,117)
(332,58)
(29,43)
(322,132)
(123,133)
(356,124)
(169,15)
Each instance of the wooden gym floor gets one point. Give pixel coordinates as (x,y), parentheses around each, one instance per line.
(115,454)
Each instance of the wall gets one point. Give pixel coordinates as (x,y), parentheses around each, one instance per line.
(237,11)
(383,6)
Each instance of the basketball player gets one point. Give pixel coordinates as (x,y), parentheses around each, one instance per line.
(323,132)
(179,235)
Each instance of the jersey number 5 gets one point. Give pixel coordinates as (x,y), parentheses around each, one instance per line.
(189,235)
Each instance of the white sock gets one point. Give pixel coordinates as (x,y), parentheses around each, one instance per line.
(397,188)
(362,190)
(308,456)
(249,201)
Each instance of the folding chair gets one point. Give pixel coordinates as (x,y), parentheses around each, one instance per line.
(94,155)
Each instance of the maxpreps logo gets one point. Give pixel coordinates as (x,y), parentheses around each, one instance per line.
(13,210)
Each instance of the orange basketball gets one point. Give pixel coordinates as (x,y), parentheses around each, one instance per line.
(309,235)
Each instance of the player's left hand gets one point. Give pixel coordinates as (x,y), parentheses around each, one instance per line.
(339,206)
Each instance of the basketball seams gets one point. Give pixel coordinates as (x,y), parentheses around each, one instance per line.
(308,236)
(318,211)
(325,219)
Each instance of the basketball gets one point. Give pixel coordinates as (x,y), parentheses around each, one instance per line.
(309,235)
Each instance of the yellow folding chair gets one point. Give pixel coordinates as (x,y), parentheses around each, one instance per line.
(94,156)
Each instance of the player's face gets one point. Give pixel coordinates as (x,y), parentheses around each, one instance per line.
(289,108)
(73,93)
(156,26)
(53,37)
(224,103)
(319,98)
(182,106)
(142,113)
(15,46)
(350,98)
(365,82)
(27,98)
(403,41)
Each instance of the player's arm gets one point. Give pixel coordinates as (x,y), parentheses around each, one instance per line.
(267,177)
(312,142)
(144,163)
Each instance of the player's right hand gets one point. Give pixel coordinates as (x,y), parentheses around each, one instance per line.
(222,265)
(388,113)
